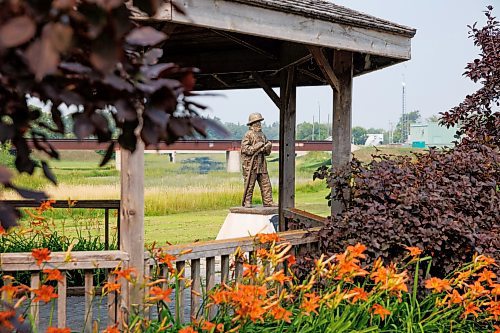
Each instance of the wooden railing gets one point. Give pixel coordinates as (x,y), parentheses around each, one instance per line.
(187,256)
(89,262)
(107,205)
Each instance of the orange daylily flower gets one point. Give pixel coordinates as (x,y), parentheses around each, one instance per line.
(125,273)
(414,251)
(279,277)
(484,260)
(2,231)
(110,287)
(494,309)
(291,260)
(455,297)
(477,289)
(188,329)
(111,329)
(44,293)
(250,270)
(159,294)
(280,313)
(209,326)
(53,274)
(462,277)
(5,319)
(471,308)
(486,275)
(310,303)
(495,289)
(359,294)
(357,250)
(497,328)
(45,205)
(380,310)
(262,253)
(268,238)
(221,296)
(438,285)
(58,330)
(168,260)
(41,255)
(12,291)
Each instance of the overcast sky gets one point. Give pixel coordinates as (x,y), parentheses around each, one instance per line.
(434,81)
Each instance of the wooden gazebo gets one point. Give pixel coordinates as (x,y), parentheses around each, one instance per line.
(241,44)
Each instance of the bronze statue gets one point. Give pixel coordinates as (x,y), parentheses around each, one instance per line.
(254,149)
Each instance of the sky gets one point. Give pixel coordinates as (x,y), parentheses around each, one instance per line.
(433,77)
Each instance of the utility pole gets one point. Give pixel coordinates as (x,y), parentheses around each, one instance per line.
(391,133)
(319,122)
(312,137)
(404,125)
(328,125)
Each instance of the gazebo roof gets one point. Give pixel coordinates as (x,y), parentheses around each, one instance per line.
(231,40)
(328,11)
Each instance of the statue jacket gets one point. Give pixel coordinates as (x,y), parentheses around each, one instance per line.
(249,146)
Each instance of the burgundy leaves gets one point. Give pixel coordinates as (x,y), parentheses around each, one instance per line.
(17,31)
(479,120)
(444,201)
(145,36)
(89,53)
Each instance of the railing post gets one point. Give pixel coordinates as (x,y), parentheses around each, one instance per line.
(61,301)
(132,220)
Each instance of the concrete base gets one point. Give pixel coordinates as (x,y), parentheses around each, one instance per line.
(244,222)
(233,160)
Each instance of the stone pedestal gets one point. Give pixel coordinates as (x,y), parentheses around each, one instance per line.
(244,222)
(233,160)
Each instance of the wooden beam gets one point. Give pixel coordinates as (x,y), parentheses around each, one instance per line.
(342,115)
(269,91)
(132,219)
(210,61)
(307,219)
(288,92)
(238,17)
(246,44)
(314,76)
(325,67)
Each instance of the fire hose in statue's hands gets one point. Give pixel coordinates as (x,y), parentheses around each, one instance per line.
(247,180)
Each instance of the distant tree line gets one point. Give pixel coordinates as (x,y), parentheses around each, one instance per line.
(305,130)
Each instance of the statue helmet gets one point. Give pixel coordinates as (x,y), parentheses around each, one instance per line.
(254,117)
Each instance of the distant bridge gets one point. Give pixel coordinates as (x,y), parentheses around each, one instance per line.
(230,147)
(184,145)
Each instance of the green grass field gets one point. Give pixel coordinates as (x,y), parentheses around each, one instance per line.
(181,205)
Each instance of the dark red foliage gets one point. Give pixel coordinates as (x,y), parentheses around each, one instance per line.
(447,202)
(478,115)
(88,53)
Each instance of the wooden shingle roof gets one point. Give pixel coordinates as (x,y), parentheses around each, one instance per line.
(328,11)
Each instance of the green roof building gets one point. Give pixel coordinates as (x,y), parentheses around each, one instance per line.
(431,135)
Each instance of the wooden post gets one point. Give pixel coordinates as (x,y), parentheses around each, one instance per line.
(288,90)
(342,114)
(132,220)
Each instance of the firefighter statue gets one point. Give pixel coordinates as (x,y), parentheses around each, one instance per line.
(254,149)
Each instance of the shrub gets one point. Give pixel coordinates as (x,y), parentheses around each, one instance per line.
(446,202)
